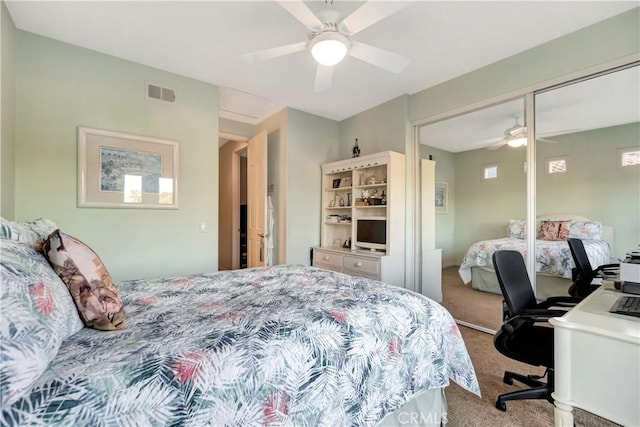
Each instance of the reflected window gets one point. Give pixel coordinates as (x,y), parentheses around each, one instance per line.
(557,165)
(630,158)
(133,189)
(491,172)
(165,194)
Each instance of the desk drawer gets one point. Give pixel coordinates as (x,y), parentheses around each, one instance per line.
(327,259)
(369,267)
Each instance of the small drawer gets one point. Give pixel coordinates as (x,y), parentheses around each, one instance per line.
(327,258)
(369,266)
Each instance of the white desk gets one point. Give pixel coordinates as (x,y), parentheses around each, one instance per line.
(597,361)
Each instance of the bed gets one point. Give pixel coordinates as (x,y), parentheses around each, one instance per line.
(283,345)
(554,262)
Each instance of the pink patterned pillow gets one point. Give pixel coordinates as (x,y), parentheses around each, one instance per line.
(88,280)
(554,230)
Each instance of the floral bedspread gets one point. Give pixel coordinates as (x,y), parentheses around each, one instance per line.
(553,257)
(284,345)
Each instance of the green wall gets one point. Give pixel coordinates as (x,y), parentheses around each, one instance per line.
(60,87)
(7,118)
(311,141)
(483,207)
(237,128)
(594,186)
(381,128)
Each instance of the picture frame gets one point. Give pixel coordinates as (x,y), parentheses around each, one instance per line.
(120,170)
(336,183)
(345,182)
(441,197)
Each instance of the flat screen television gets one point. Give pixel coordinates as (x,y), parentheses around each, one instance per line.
(371,234)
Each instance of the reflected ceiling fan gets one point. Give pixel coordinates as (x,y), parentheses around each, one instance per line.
(330,39)
(515,136)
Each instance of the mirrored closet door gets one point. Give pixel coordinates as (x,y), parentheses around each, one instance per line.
(587,175)
(480,175)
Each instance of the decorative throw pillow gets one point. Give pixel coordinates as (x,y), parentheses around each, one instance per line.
(517,228)
(553,230)
(586,230)
(88,280)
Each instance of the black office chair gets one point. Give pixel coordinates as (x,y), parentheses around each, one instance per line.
(522,336)
(583,274)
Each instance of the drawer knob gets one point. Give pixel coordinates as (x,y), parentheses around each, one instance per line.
(326,258)
(358,264)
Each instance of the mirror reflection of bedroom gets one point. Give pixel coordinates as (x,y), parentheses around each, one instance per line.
(587,186)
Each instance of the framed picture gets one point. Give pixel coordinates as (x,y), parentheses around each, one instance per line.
(345,182)
(442,196)
(119,170)
(336,183)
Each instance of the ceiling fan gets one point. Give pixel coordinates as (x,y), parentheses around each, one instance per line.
(330,39)
(515,136)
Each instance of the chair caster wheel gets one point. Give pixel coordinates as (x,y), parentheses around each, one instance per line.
(507,380)
(501,406)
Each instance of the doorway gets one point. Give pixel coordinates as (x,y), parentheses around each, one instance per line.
(242,202)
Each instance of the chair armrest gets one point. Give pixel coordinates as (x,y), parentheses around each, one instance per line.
(539,315)
(560,301)
(607,270)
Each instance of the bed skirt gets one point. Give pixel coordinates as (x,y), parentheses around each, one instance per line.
(428,409)
(484,279)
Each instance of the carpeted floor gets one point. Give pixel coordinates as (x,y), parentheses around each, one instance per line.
(468,305)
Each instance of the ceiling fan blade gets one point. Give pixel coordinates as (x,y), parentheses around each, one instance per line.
(379,57)
(274,52)
(324,76)
(302,13)
(368,14)
(546,140)
(497,145)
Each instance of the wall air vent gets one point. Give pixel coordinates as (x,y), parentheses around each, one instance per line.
(160,93)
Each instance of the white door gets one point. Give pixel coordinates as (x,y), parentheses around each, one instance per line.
(256,199)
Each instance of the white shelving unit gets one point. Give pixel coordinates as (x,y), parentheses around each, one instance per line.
(380,180)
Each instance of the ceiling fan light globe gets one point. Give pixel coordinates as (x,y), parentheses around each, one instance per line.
(329,48)
(517,142)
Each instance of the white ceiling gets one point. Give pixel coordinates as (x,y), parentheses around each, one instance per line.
(204,40)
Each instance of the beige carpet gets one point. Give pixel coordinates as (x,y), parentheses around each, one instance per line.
(468,305)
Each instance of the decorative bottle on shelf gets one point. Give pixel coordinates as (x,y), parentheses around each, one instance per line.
(384,198)
(355,151)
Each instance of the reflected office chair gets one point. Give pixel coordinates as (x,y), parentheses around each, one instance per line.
(583,274)
(526,335)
